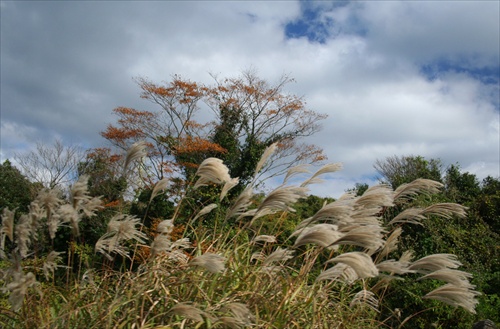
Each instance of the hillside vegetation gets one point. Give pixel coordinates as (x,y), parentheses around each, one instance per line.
(209,257)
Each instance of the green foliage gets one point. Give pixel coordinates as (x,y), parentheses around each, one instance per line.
(263,266)
(16,191)
(473,239)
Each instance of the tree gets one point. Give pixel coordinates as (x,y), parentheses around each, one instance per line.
(50,165)
(250,114)
(397,170)
(104,170)
(16,191)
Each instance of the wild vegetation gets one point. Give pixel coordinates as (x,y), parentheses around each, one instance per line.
(198,247)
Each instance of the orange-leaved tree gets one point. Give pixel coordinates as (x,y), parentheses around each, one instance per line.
(247,115)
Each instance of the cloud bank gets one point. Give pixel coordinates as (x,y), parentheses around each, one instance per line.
(395,77)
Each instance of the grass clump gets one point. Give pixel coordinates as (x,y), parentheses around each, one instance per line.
(332,271)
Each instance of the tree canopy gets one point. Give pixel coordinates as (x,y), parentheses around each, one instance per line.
(234,119)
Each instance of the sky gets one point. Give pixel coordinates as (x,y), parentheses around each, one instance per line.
(395,77)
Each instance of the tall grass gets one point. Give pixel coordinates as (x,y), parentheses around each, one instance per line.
(333,271)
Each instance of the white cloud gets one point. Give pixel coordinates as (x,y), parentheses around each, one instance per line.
(70,64)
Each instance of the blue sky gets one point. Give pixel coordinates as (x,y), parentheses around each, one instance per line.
(395,77)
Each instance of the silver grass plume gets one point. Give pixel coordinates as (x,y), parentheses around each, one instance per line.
(328,168)
(212,170)
(361,263)
(7,227)
(165,227)
(120,228)
(205,210)
(67,214)
(418,186)
(391,243)
(258,256)
(49,200)
(124,228)
(323,235)
(279,255)
(135,152)
(456,277)
(263,159)
(394,266)
(337,212)
(375,198)
(367,298)
(366,236)
(280,199)
(228,186)
(23,235)
(455,296)
(409,216)
(18,289)
(435,262)
(50,263)
(339,272)
(264,238)
(299,169)
(160,186)
(211,262)
(446,210)
(241,203)
(241,313)
(189,311)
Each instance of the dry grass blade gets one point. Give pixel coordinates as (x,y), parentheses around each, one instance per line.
(212,170)
(211,262)
(360,262)
(423,186)
(365,297)
(456,296)
(339,272)
(435,262)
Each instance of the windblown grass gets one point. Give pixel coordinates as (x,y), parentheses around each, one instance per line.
(334,274)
